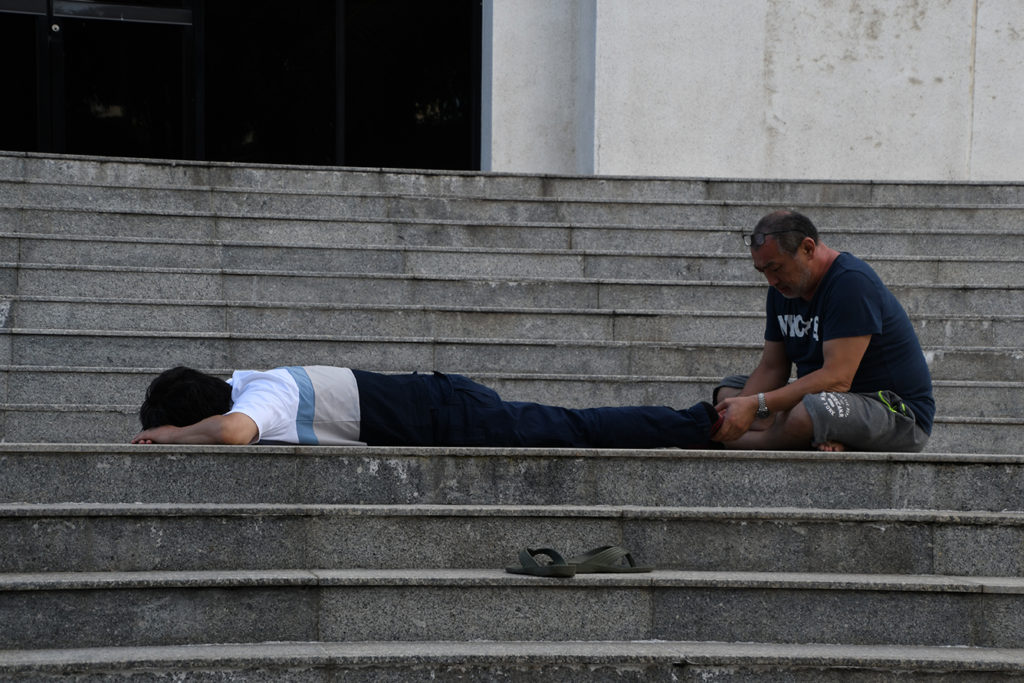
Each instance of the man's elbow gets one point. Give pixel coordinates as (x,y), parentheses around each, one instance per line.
(233,436)
(840,385)
(236,429)
(233,439)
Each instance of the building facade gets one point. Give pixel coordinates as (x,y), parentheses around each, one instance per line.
(828,89)
(844,89)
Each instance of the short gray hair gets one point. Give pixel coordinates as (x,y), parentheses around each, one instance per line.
(789,228)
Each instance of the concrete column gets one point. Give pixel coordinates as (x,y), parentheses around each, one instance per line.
(997,133)
(538,86)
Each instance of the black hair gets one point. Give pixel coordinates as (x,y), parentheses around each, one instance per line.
(182,396)
(789,229)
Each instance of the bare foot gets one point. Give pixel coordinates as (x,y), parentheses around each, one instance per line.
(831,447)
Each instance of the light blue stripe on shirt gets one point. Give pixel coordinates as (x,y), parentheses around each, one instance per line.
(307,406)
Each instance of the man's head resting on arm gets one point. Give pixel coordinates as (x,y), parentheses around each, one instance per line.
(185,406)
(182,396)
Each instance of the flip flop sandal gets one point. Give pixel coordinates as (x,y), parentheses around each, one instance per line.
(529,565)
(606,560)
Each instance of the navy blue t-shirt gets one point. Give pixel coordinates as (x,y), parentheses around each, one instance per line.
(851,301)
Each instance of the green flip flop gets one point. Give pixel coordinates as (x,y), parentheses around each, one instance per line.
(606,560)
(528,564)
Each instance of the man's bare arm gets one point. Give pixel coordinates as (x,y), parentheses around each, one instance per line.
(771,373)
(841,359)
(233,428)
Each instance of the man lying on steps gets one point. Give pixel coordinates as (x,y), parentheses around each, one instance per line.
(340,406)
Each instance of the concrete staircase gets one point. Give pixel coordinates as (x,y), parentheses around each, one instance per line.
(145,563)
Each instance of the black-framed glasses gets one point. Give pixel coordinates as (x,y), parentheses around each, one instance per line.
(756,239)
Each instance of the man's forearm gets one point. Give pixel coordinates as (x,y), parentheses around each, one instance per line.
(193,434)
(791,393)
(764,379)
(234,428)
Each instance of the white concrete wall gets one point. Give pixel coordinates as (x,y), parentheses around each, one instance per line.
(997,146)
(680,87)
(853,89)
(540,120)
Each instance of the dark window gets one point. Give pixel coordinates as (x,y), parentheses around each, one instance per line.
(123,89)
(412,83)
(18,117)
(270,81)
(355,82)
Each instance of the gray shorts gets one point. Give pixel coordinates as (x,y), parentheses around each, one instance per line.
(879,421)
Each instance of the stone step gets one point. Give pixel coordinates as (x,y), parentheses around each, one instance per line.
(321,204)
(50,404)
(300,230)
(462,262)
(47,423)
(179,537)
(74,610)
(197,284)
(69,312)
(108,171)
(568,661)
(117,348)
(111,473)
(123,348)
(99,386)
(415,184)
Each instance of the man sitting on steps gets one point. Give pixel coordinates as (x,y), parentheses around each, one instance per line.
(862,380)
(339,406)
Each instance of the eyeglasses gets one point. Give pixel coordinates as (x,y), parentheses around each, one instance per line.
(756,239)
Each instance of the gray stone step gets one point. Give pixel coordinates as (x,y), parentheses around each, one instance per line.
(68,312)
(76,404)
(236,201)
(119,473)
(47,423)
(174,608)
(122,348)
(299,230)
(146,537)
(117,348)
(568,661)
(96,170)
(101,386)
(197,284)
(636,264)
(325,182)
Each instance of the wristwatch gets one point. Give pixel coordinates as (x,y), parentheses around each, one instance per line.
(762,407)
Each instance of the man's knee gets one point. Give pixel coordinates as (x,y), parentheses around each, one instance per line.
(730,386)
(796,423)
(722,393)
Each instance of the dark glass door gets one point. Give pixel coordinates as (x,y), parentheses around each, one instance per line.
(271,81)
(18,46)
(106,78)
(348,82)
(124,92)
(412,83)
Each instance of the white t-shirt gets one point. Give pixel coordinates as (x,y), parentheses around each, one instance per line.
(314,404)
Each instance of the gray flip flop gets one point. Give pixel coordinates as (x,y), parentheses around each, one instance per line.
(528,564)
(606,560)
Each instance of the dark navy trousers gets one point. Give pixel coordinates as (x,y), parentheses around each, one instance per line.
(452,410)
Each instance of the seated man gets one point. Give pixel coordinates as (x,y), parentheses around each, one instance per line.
(862,380)
(341,406)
